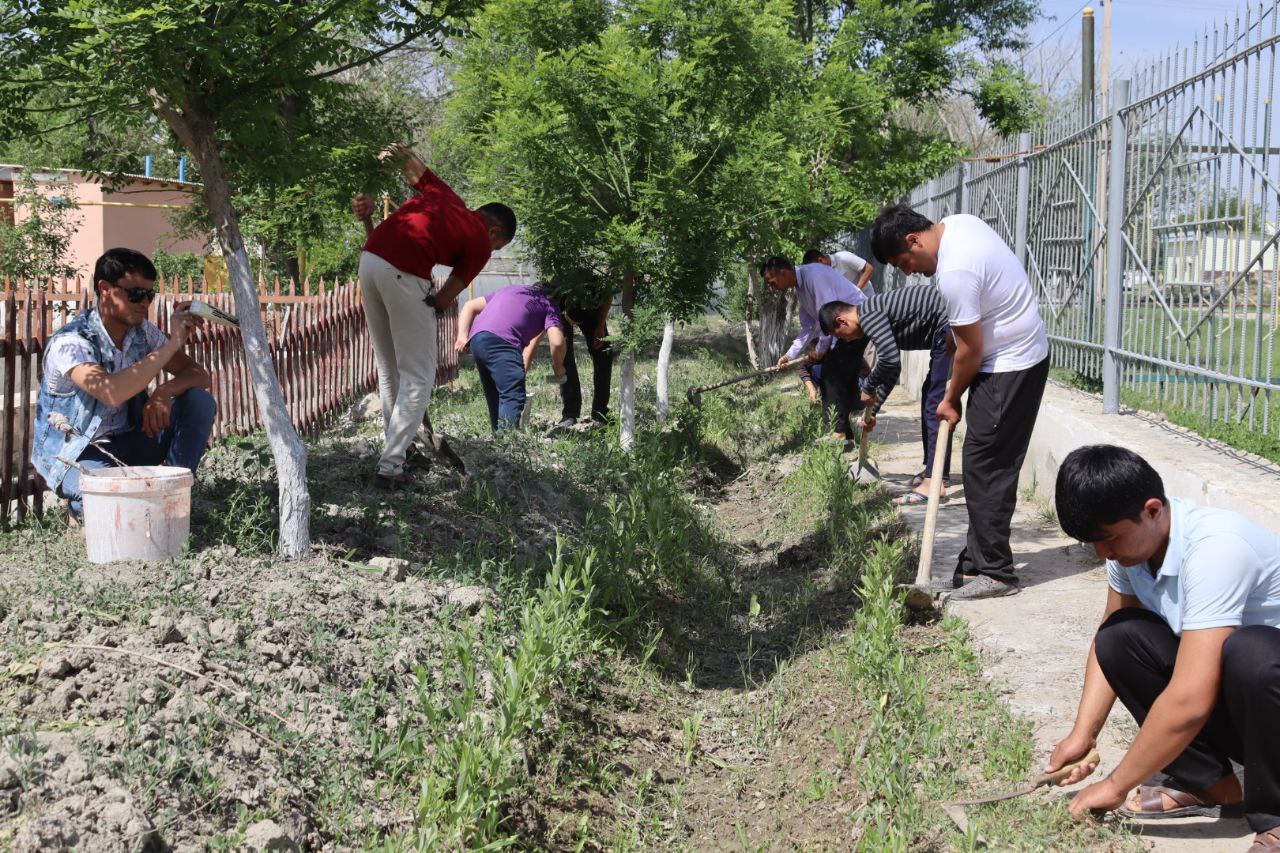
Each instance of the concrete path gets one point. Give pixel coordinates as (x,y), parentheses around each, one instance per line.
(1035,642)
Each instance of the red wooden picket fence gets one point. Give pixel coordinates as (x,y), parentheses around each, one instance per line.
(319,343)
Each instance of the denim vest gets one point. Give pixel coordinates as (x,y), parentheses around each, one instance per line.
(81,408)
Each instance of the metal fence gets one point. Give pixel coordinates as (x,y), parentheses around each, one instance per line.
(1151,234)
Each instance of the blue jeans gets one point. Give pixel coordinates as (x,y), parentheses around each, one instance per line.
(501,368)
(182,445)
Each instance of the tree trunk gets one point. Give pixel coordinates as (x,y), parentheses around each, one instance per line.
(773,326)
(752,301)
(627,376)
(664,362)
(197,134)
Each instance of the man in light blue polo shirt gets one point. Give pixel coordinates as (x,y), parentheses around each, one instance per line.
(815,285)
(1189,643)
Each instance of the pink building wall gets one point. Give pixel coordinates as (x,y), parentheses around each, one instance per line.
(106,226)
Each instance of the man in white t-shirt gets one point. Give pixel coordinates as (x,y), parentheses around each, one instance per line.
(1001,359)
(849,265)
(1189,643)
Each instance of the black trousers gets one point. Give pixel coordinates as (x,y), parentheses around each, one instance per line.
(841,391)
(931,394)
(601,371)
(1136,650)
(1001,414)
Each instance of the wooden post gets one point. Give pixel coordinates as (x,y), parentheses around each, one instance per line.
(9,354)
(42,335)
(26,414)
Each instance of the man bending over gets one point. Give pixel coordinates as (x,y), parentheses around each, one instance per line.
(909,318)
(499,329)
(815,285)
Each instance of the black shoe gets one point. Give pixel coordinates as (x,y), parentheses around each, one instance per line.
(984,586)
(567,423)
(395,482)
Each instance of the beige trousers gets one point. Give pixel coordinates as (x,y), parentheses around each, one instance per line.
(403,330)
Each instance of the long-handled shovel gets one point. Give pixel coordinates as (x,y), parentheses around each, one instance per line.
(439,446)
(920,593)
(695,394)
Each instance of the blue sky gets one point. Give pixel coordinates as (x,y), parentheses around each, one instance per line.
(1141,29)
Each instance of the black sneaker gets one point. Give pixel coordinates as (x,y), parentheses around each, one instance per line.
(984,586)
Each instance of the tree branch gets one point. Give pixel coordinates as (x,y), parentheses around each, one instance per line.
(373,57)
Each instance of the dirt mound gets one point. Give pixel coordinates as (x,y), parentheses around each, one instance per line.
(230,698)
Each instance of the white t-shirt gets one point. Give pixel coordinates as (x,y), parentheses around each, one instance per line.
(1220,571)
(982,282)
(68,350)
(851,266)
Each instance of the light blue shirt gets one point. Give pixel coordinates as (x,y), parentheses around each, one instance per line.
(1220,571)
(816,285)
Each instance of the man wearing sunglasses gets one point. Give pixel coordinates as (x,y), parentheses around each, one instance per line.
(97,370)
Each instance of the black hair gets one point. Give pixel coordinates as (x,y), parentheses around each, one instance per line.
(501,215)
(115,264)
(813,256)
(827,315)
(889,231)
(773,263)
(1101,484)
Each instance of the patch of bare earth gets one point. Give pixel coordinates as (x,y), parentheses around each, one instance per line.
(754,746)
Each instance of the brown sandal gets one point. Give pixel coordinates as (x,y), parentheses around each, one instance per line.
(1267,841)
(1186,804)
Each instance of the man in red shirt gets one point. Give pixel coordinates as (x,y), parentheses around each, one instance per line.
(399,296)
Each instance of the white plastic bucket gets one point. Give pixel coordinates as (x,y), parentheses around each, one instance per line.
(142,512)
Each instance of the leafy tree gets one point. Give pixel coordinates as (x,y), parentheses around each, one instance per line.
(36,247)
(239,86)
(653,144)
(607,130)
(179,266)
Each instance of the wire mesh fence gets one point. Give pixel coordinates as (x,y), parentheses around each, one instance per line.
(1150,234)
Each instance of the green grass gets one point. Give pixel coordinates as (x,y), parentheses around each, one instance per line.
(1234,431)
(505,720)
(930,716)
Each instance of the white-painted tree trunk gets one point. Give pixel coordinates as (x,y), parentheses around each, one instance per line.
(664,362)
(752,302)
(196,132)
(627,375)
(772,309)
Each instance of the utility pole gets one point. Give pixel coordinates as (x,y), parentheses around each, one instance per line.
(1086,65)
(1087,223)
(1104,65)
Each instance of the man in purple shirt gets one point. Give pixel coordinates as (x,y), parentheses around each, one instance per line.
(497,329)
(817,284)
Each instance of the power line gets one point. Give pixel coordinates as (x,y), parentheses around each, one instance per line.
(1066,20)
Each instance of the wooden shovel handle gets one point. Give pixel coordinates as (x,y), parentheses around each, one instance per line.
(924,574)
(1065,770)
